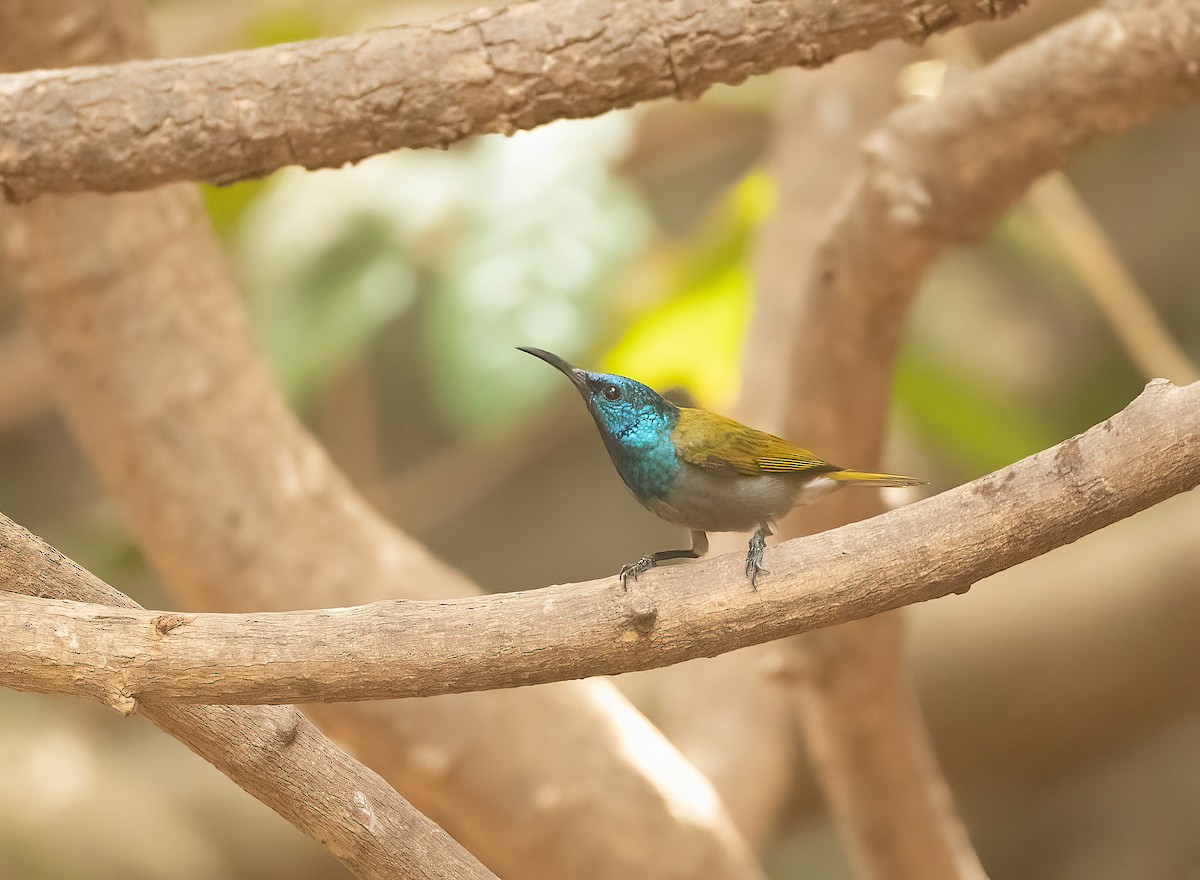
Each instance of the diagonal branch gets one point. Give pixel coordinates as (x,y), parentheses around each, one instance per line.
(945,171)
(1148,452)
(273,752)
(734,714)
(938,172)
(326,102)
(239,508)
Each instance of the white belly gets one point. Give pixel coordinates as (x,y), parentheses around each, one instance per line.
(721,501)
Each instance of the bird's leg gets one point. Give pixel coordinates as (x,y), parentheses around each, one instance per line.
(754,559)
(633,569)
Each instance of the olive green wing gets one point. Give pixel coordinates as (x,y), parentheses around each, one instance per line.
(714,442)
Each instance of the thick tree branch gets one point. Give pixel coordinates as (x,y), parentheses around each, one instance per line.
(327,102)
(938,172)
(859,704)
(1148,452)
(734,715)
(240,509)
(273,752)
(944,171)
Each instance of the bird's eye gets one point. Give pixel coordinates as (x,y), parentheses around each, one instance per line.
(612,392)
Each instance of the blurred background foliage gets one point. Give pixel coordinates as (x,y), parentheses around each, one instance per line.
(388,298)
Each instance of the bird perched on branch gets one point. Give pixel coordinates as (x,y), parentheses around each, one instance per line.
(703,471)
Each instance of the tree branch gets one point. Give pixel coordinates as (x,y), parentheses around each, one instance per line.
(24,380)
(273,752)
(1146,453)
(862,726)
(327,102)
(938,172)
(944,171)
(734,715)
(1122,303)
(240,509)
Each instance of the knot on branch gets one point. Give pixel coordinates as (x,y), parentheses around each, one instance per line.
(164,623)
(121,700)
(289,729)
(642,613)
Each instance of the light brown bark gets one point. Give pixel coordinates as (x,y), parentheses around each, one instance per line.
(938,172)
(733,715)
(1148,452)
(1088,647)
(273,752)
(24,380)
(239,508)
(327,102)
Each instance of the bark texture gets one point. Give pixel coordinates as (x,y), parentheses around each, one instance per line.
(1143,455)
(733,715)
(240,509)
(938,172)
(327,102)
(273,752)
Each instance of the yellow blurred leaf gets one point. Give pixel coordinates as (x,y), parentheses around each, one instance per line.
(694,338)
(693,341)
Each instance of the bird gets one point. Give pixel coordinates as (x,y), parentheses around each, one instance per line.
(701,470)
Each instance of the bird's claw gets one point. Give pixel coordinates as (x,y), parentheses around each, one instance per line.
(754,560)
(633,569)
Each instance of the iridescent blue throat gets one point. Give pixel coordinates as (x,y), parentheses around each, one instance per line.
(641,449)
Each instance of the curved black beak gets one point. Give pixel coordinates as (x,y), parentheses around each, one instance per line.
(577,376)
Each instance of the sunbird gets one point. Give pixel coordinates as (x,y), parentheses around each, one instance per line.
(703,471)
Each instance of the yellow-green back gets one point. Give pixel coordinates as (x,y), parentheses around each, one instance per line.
(715,442)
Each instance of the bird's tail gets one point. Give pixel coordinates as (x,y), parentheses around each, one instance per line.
(858,478)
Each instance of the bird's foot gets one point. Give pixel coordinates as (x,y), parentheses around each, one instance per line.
(633,569)
(754,559)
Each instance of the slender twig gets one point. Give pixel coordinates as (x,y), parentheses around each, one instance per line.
(1148,452)
(1122,303)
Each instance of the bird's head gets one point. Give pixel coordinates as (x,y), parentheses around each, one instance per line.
(623,409)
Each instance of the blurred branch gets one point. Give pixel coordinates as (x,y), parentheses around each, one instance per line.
(326,102)
(432,491)
(1143,455)
(732,714)
(24,380)
(860,720)
(1121,301)
(273,752)
(872,756)
(1083,242)
(939,171)
(945,170)
(1089,646)
(240,509)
